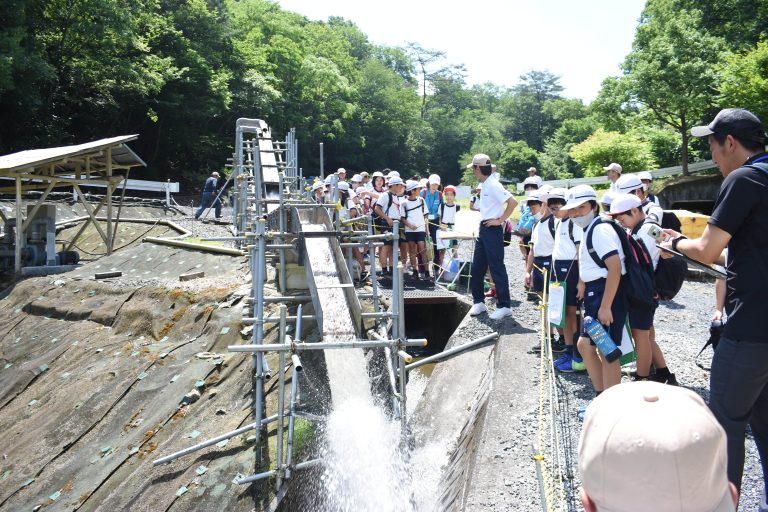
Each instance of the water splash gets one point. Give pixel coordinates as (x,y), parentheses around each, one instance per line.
(365,466)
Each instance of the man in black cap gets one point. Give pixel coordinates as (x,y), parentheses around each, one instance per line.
(739,378)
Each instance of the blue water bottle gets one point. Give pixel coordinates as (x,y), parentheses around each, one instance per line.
(602,339)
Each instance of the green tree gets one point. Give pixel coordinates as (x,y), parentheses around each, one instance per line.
(602,148)
(744,81)
(672,67)
(556,161)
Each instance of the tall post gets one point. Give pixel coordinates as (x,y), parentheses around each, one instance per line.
(372,263)
(322,163)
(283,227)
(110,237)
(258,329)
(19,228)
(280,402)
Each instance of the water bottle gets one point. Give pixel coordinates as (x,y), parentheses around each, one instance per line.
(602,339)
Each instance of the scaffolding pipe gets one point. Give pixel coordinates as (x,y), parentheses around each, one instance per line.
(274,319)
(258,331)
(326,345)
(282,225)
(280,403)
(212,441)
(452,352)
(294,387)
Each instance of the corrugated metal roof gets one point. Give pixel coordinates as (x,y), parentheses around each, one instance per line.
(24,160)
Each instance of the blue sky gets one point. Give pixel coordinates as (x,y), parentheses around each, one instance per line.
(583,41)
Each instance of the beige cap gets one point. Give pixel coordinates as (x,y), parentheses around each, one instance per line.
(649,446)
(613,167)
(480,159)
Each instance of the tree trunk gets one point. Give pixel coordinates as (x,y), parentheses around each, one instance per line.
(684,149)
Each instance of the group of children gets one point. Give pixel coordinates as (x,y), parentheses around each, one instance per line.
(589,254)
(421,205)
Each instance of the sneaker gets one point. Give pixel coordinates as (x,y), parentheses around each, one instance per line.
(668,379)
(558,346)
(563,364)
(500,314)
(577,365)
(477,309)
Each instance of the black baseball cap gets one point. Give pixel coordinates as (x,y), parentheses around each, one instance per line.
(733,121)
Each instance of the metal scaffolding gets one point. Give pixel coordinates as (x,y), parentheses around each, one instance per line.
(277,233)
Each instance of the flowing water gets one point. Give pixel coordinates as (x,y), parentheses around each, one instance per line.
(365,467)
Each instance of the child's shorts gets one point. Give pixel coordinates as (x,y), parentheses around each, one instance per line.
(542,262)
(415,236)
(593,296)
(567,271)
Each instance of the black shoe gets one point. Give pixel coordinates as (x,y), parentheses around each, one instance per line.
(558,346)
(664,379)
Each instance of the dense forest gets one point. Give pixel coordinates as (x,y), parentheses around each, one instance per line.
(179,72)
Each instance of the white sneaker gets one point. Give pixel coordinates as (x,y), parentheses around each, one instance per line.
(478,309)
(500,314)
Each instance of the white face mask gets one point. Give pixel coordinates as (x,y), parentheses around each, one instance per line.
(538,216)
(584,221)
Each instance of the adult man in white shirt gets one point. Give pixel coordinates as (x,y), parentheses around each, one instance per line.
(613,171)
(496,205)
(534,177)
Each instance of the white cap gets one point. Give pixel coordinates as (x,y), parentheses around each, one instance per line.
(480,159)
(628,183)
(650,446)
(318,184)
(377,173)
(558,193)
(360,190)
(423,182)
(531,169)
(645,175)
(355,178)
(434,179)
(410,185)
(623,203)
(342,185)
(536,195)
(579,195)
(393,174)
(607,198)
(531,180)
(613,167)
(395,181)
(364,174)
(341,170)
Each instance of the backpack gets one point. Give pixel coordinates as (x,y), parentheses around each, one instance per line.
(670,221)
(385,210)
(507,233)
(639,280)
(670,275)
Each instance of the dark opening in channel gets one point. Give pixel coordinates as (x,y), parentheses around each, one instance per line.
(435,322)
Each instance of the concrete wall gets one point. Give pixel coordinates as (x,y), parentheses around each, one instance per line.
(690,190)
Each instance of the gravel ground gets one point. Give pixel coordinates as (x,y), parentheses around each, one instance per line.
(682,327)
